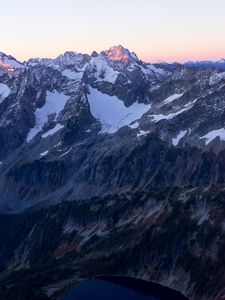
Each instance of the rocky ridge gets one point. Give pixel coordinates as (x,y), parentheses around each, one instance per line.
(68,120)
(95,148)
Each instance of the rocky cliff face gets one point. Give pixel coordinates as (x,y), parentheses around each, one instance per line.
(101,125)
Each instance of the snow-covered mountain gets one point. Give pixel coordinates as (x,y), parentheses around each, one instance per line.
(207,64)
(9,63)
(116,167)
(55,112)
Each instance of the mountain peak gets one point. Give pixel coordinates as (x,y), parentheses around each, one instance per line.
(221,61)
(8,62)
(120,54)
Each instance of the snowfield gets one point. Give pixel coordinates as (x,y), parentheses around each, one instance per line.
(4,92)
(181,134)
(213,134)
(73,74)
(111,111)
(54,104)
(103,72)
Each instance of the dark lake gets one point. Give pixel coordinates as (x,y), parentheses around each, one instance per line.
(121,288)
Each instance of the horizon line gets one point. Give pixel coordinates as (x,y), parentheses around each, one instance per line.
(190,59)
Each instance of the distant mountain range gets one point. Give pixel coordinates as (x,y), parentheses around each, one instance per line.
(115,54)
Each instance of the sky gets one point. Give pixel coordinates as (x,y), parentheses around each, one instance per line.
(156,30)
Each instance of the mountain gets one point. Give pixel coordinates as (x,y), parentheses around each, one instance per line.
(56,113)
(206,64)
(101,146)
(9,63)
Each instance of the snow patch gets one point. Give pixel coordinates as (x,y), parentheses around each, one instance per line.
(142,132)
(157,118)
(57,145)
(54,104)
(52,131)
(181,134)
(44,153)
(103,71)
(4,91)
(73,75)
(213,134)
(134,125)
(151,69)
(66,152)
(172,98)
(112,112)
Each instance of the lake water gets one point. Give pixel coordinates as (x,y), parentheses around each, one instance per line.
(120,288)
